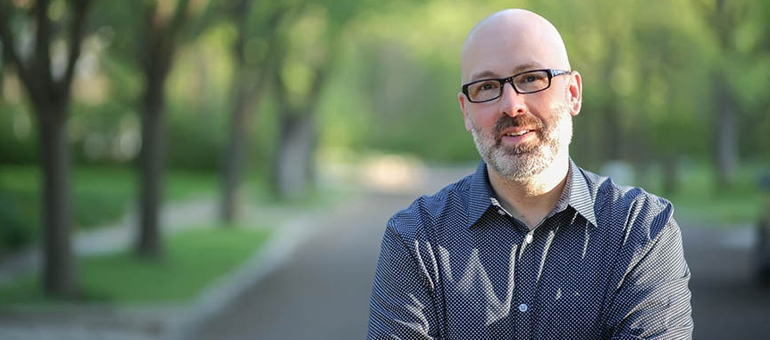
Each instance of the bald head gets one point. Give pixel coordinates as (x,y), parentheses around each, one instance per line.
(511,41)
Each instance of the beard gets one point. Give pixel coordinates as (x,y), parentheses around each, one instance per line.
(527,159)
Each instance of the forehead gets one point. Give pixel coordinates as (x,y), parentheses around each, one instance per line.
(504,48)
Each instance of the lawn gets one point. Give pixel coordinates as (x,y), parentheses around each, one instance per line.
(698,197)
(101,195)
(193,261)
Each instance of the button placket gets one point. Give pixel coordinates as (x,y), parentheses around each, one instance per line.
(526,273)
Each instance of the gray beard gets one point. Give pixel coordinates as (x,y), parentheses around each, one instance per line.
(526,161)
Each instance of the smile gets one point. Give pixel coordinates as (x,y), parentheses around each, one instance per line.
(517,133)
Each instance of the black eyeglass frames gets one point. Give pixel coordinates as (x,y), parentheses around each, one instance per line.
(526,82)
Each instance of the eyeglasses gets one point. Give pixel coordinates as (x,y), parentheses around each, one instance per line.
(532,81)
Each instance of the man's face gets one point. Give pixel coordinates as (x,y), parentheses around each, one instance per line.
(518,135)
(521,157)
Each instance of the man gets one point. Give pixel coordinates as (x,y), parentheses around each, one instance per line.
(530,246)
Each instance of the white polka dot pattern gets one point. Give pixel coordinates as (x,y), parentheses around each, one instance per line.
(606,263)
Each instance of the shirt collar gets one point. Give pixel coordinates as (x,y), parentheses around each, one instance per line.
(580,196)
(480,192)
(576,189)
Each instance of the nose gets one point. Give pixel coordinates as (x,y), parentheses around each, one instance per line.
(511,102)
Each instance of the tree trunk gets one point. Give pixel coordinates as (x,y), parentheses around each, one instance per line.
(311,146)
(726,157)
(50,99)
(727,144)
(152,163)
(3,61)
(156,58)
(231,195)
(59,275)
(291,178)
(233,159)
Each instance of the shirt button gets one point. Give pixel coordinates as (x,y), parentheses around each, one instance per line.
(501,211)
(523,307)
(528,239)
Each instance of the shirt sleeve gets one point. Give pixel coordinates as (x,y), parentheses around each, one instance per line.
(653,300)
(402,304)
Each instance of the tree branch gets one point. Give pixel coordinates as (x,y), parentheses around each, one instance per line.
(269,63)
(180,18)
(323,71)
(163,47)
(9,49)
(42,60)
(77,31)
(205,19)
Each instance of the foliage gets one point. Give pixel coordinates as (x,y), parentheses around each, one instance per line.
(648,72)
(195,260)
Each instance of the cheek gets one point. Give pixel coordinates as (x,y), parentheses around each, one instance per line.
(484,119)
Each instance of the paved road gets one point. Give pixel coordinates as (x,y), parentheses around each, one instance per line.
(323,291)
(727,302)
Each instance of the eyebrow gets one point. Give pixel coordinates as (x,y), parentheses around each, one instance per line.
(487,74)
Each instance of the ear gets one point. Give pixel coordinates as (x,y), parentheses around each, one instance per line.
(575,93)
(464,107)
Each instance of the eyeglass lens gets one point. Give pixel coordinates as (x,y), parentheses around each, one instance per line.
(524,83)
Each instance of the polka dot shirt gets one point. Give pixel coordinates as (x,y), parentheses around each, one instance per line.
(605,263)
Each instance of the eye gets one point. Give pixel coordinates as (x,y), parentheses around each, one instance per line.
(484,90)
(532,81)
(486,86)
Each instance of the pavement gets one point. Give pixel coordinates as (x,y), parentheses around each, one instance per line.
(727,300)
(315,283)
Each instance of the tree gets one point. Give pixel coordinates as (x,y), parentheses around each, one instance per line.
(306,61)
(50,99)
(722,18)
(248,84)
(162,28)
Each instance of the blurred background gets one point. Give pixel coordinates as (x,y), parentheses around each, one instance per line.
(149,149)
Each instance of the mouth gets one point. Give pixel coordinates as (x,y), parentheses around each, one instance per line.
(516,133)
(516,136)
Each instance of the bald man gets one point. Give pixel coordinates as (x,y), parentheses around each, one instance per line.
(530,246)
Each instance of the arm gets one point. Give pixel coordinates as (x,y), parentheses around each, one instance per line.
(402,304)
(653,299)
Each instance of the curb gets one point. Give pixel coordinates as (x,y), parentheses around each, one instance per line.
(221,294)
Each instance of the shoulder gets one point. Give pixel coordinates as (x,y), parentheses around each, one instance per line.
(430,214)
(634,211)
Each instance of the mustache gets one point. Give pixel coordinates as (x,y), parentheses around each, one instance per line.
(526,120)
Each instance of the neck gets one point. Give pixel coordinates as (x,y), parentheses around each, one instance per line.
(530,200)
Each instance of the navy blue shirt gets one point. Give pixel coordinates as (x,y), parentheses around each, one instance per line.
(605,263)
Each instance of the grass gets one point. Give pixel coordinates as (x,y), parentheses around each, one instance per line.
(193,261)
(101,195)
(699,198)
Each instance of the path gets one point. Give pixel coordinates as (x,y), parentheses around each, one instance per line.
(323,291)
(727,302)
